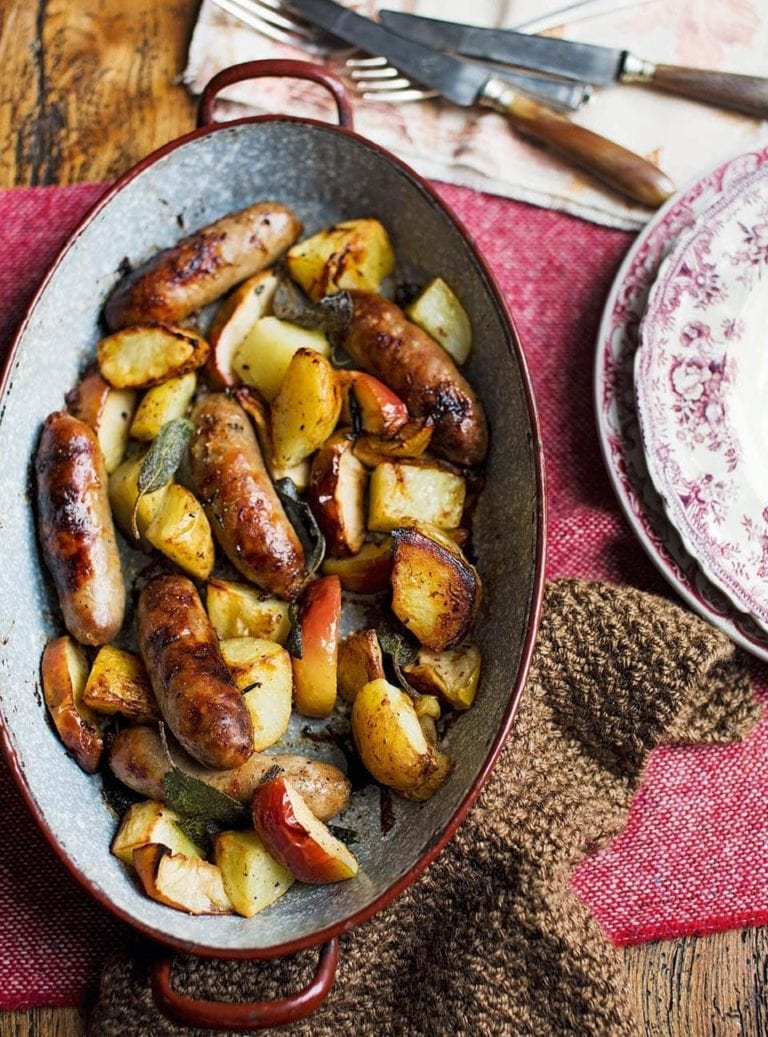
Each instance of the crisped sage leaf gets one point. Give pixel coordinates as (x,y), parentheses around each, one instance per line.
(400,650)
(332,314)
(346,835)
(304,522)
(162,460)
(294,642)
(196,800)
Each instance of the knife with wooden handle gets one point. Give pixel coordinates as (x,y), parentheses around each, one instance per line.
(584,61)
(467,83)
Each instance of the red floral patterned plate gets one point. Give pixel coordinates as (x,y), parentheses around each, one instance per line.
(616,407)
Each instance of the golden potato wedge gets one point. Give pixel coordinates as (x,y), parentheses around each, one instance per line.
(64,673)
(107,411)
(389,737)
(186,883)
(337,486)
(453,675)
(367,572)
(262,358)
(234,318)
(119,683)
(123,492)
(161,404)
(410,441)
(421,492)
(431,784)
(239,610)
(258,411)
(252,878)
(306,409)
(145,354)
(353,254)
(181,531)
(263,673)
(436,593)
(438,312)
(360,662)
(151,822)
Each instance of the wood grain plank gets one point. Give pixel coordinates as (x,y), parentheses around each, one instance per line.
(90,87)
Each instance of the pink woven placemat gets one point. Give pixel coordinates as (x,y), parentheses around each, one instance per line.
(692,859)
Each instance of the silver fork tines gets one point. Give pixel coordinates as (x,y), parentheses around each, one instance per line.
(372,78)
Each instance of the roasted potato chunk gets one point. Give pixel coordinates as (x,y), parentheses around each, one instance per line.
(453,675)
(360,662)
(367,572)
(252,878)
(64,672)
(306,409)
(258,411)
(262,358)
(401,493)
(438,312)
(181,531)
(123,494)
(239,610)
(353,254)
(119,683)
(436,593)
(389,737)
(143,355)
(151,822)
(262,671)
(161,404)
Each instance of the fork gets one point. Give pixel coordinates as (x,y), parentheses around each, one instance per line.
(372,77)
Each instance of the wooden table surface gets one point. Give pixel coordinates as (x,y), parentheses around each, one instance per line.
(87,88)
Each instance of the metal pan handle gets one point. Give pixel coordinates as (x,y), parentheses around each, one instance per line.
(246,1016)
(275,68)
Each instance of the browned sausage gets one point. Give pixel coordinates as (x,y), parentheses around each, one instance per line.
(420,371)
(194,689)
(245,513)
(139,759)
(76,529)
(179,280)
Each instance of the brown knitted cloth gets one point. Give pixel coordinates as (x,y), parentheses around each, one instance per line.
(491,941)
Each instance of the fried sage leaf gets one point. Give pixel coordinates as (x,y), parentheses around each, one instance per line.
(304,522)
(162,460)
(332,314)
(198,801)
(401,652)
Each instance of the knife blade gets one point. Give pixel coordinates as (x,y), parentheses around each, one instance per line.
(586,61)
(466,83)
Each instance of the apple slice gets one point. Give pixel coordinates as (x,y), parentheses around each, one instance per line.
(337,485)
(151,822)
(186,883)
(107,411)
(382,412)
(248,303)
(367,572)
(252,877)
(296,838)
(314,674)
(64,673)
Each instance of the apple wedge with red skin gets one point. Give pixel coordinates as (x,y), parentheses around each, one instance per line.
(248,303)
(382,412)
(314,674)
(296,838)
(337,484)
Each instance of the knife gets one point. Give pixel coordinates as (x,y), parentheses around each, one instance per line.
(466,83)
(585,61)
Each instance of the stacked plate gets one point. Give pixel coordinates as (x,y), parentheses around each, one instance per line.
(682,395)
